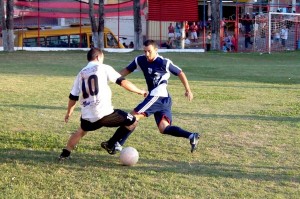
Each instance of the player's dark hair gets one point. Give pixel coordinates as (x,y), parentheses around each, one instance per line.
(150,42)
(93,53)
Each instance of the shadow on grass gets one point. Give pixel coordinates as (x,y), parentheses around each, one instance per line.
(244,117)
(34,106)
(153,166)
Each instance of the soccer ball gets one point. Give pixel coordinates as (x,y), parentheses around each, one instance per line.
(129,156)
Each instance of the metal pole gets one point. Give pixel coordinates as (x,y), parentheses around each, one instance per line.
(80,40)
(204,24)
(39,23)
(119,23)
(221,10)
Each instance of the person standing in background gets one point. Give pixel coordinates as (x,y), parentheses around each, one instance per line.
(208,41)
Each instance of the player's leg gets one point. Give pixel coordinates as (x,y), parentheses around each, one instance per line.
(125,136)
(74,139)
(72,142)
(163,120)
(144,109)
(166,128)
(126,122)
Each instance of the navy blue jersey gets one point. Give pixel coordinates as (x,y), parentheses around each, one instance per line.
(157,73)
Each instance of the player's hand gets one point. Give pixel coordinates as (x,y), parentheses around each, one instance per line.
(189,95)
(67,118)
(144,93)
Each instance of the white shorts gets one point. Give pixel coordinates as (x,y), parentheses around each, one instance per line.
(194,35)
(172,35)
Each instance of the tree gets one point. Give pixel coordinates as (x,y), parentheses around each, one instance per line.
(215,24)
(7,24)
(138,37)
(97,29)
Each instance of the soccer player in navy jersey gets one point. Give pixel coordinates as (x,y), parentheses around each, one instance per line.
(94,94)
(157,71)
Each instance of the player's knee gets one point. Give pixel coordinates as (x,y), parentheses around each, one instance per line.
(132,126)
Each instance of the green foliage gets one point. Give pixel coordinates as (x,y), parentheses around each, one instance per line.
(245,105)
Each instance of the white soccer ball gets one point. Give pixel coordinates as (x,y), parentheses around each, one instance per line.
(129,156)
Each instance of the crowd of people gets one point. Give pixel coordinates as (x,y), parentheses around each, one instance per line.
(198,34)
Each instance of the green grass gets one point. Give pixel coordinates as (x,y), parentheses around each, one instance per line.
(247,107)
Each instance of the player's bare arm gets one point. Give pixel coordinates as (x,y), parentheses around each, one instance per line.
(131,87)
(71,106)
(184,81)
(124,72)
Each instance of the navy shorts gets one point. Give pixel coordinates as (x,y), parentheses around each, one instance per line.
(116,119)
(159,106)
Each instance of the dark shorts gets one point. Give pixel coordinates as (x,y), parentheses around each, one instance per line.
(159,106)
(116,119)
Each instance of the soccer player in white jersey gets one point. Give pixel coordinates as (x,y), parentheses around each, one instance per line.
(94,94)
(157,71)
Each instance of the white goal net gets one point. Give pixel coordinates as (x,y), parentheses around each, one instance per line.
(276,31)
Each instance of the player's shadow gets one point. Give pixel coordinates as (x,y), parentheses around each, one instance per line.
(151,166)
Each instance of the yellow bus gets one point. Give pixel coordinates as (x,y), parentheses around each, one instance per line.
(64,37)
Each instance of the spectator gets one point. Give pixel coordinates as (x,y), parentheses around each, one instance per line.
(223,26)
(284,35)
(224,47)
(171,31)
(168,44)
(208,41)
(186,28)
(227,41)
(194,30)
(125,45)
(178,35)
(177,31)
(247,23)
(233,43)
(131,45)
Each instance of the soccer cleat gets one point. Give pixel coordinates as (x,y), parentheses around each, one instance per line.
(118,147)
(62,158)
(109,150)
(64,155)
(194,142)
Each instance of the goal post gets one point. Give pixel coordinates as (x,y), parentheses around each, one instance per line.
(275,32)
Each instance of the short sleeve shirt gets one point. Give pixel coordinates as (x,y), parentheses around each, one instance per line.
(156,73)
(92,87)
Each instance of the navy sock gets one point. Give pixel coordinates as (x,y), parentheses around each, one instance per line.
(177,132)
(121,133)
(125,136)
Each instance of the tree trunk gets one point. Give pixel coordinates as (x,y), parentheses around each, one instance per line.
(2,20)
(97,29)
(215,24)
(138,37)
(7,23)
(101,24)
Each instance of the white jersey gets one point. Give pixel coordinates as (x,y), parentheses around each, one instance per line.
(91,85)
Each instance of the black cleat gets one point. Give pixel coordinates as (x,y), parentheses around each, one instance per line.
(64,155)
(194,142)
(109,150)
(62,158)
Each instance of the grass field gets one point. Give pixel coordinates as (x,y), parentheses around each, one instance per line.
(247,107)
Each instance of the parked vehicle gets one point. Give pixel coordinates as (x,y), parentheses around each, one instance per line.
(63,37)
